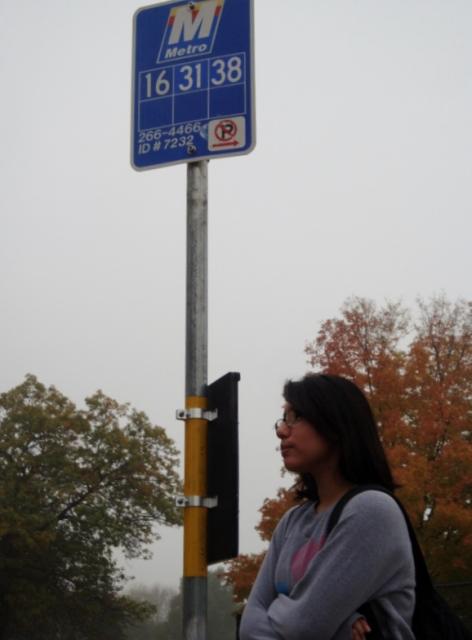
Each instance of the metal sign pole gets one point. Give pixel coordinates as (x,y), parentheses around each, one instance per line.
(193,99)
(195,481)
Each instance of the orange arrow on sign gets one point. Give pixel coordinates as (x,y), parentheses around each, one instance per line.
(233,143)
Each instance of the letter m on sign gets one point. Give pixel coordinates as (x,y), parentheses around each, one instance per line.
(195,24)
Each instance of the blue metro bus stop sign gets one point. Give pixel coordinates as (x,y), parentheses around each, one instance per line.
(193,82)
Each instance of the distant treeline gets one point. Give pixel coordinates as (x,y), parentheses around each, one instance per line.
(166,621)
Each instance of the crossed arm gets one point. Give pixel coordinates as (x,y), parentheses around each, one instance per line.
(359,558)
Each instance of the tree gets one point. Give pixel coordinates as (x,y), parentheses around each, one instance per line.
(418,378)
(160,598)
(241,571)
(76,484)
(221,619)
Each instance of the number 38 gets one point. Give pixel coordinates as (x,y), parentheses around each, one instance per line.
(229,70)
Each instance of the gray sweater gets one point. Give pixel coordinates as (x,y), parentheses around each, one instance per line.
(309,588)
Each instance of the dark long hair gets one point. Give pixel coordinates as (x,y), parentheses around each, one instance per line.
(340,412)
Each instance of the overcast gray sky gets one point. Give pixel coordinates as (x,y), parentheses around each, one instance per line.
(360,184)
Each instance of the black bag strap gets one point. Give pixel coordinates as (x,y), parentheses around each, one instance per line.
(423,579)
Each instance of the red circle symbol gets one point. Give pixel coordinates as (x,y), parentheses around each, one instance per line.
(226,130)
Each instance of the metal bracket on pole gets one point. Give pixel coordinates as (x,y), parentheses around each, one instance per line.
(196,414)
(196,501)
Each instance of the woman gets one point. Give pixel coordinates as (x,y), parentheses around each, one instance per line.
(310,587)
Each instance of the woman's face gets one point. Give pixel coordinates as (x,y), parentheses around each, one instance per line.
(303,449)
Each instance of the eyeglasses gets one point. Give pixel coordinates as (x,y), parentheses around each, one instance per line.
(289,420)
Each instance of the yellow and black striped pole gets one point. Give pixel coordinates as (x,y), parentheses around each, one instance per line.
(196,358)
(195,487)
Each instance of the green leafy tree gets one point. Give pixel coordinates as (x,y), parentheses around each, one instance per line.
(75,485)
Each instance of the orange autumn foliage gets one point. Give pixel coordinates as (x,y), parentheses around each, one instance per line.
(272,510)
(417,376)
(241,573)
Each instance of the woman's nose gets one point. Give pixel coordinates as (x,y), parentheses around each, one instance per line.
(283,431)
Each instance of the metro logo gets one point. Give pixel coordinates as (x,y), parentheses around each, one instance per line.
(191,30)
(190,22)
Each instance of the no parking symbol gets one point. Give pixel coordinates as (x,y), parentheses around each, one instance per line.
(226,133)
